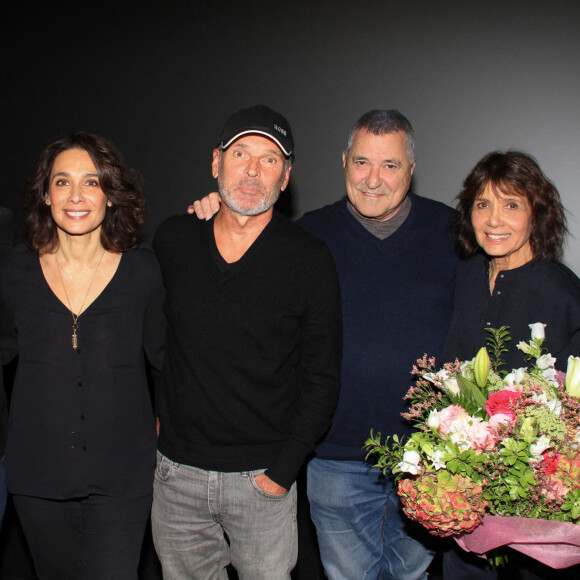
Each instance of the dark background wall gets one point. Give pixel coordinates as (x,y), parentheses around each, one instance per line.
(159,78)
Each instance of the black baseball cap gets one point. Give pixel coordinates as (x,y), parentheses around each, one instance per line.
(258,120)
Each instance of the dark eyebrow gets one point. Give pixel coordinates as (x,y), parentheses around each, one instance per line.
(66,174)
(273,151)
(396,162)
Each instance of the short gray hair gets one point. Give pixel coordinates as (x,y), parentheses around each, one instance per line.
(383,122)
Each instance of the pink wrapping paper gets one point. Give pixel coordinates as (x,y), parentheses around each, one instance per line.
(556,544)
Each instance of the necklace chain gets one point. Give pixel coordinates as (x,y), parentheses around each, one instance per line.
(75,317)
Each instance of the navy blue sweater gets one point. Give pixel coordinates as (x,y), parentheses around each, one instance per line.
(397,299)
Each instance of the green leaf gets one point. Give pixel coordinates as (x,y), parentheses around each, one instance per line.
(496,342)
(471,392)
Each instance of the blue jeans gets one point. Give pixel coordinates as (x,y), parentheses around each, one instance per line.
(362,531)
(194,510)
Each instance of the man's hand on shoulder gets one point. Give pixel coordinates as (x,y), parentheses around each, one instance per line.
(206,207)
(269,486)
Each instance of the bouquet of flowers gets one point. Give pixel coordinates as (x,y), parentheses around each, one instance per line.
(490,445)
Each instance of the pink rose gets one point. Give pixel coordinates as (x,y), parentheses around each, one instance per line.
(482,436)
(449,415)
(502,402)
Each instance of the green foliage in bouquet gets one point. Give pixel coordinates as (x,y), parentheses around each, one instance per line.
(503,444)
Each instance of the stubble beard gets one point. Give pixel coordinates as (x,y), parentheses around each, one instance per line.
(264,201)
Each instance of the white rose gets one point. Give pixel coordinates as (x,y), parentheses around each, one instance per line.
(433,420)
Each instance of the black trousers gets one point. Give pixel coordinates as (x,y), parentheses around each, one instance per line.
(461,565)
(92,538)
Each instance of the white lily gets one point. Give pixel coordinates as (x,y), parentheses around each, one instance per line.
(481,367)
(573,376)
(451,385)
(445,380)
(516,376)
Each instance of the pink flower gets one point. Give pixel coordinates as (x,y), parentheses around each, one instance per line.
(556,489)
(449,415)
(560,377)
(502,402)
(482,436)
(500,419)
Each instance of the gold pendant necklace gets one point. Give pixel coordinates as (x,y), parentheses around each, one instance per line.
(75,317)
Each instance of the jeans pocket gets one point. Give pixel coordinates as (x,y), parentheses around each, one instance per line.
(163,467)
(274,496)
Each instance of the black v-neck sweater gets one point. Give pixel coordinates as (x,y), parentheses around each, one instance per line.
(251,373)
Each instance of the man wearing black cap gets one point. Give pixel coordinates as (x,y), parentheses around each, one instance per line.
(252,365)
(394,253)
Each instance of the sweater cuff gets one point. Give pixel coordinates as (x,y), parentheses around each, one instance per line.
(285,469)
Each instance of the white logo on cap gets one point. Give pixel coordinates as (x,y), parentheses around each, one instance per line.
(280,130)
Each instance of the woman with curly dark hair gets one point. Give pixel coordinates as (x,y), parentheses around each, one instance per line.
(511,229)
(81,441)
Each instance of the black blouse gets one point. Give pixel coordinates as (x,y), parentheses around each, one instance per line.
(547,292)
(81,421)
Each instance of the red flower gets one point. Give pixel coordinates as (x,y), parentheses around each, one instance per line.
(550,463)
(502,402)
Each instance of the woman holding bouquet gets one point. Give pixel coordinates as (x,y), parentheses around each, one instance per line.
(511,229)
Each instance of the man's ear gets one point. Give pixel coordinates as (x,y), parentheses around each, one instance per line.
(215,163)
(286,178)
